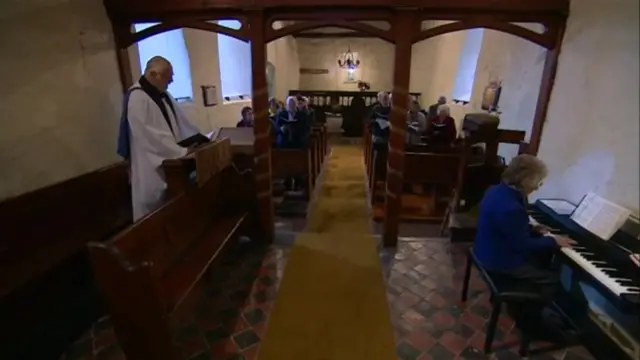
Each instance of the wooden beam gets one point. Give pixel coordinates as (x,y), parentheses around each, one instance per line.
(172,6)
(262,141)
(544,94)
(336,35)
(160,10)
(404,26)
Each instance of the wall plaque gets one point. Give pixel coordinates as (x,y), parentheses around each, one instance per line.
(313,71)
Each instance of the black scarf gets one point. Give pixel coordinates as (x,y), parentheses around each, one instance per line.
(157,97)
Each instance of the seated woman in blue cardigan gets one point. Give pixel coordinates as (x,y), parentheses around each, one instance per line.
(509,247)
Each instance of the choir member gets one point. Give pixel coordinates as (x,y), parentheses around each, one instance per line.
(379,119)
(441,130)
(433,109)
(293,132)
(416,123)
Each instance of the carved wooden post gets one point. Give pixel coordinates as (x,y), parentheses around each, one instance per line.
(544,94)
(262,143)
(403,28)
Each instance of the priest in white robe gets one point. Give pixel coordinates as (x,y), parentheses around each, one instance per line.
(156,127)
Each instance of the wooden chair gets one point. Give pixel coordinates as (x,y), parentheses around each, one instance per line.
(147,271)
(44,263)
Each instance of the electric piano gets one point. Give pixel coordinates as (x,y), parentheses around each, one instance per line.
(609,275)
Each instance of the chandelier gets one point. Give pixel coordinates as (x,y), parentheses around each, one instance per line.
(349,61)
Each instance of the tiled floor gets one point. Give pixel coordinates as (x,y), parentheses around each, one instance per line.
(226,320)
(223,320)
(424,284)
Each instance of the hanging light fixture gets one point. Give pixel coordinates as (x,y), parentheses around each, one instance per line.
(349,61)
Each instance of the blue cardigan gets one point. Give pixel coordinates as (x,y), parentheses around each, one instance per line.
(296,132)
(504,239)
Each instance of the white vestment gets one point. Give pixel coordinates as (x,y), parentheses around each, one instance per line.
(152,141)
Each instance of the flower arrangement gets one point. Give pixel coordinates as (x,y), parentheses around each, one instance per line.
(364,86)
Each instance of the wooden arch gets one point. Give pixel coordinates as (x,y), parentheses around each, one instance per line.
(385,35)
(240,34)
(405,18)
(546,39)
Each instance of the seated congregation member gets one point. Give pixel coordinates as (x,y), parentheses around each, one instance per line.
(416,123)
(312,113)
(441,130)
(379,122)
(433,109)
(274,106)
(247,117)
(153,128)
(511,249)
(304,112)
(292,125)
(293,133)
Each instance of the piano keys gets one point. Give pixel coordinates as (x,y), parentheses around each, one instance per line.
(608,279)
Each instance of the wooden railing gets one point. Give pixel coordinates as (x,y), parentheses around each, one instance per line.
(352,106)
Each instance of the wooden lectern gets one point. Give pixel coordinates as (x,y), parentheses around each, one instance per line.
(241,140)
(196,168)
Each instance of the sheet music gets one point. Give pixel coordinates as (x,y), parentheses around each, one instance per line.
(600,216)
(533,221)
(382,123)
(561,207)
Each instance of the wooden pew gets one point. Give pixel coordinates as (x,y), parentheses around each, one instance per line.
(47,294)
(146,272)
(321,130)
(442,173)
(294,162)
(316,157)
(377,172)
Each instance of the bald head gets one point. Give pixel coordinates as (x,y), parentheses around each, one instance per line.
(159,72)
(385,99)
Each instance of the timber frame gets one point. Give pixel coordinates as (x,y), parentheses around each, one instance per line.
(405,18)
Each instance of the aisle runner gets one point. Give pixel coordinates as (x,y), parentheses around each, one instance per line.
(331,304)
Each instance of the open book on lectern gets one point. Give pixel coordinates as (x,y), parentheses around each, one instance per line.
(600,216)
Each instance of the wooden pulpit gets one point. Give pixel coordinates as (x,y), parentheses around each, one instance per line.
(194,169)
(241,139)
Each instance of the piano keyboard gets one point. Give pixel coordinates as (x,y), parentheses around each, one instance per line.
(597,267)
(590,263)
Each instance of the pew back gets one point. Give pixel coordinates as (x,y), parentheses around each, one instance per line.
(147,271)
(40,228)
(433,168)
(47,294)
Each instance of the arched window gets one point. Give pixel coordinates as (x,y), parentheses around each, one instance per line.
(235,64)
(172,47)
(467,63)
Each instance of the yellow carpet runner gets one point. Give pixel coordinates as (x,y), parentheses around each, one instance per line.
(331,304)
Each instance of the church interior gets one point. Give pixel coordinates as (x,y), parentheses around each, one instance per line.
(336,250)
